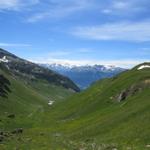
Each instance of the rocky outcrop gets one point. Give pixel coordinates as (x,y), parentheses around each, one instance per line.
(134,89)
(5,135)
(122,96)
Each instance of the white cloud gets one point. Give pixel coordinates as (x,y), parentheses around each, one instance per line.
(60,9)
(67,53)
(128,7)
(121,5)
(8,4)
(55,9)
(126,31)
(14,45)
(16,4)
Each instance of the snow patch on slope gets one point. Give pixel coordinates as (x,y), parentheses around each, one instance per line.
(50,102)
(143,67)
(4,59)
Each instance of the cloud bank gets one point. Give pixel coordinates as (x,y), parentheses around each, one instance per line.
(125,31)
(16,4)
(125,63)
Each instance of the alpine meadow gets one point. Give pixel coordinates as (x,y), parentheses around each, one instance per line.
(74,75)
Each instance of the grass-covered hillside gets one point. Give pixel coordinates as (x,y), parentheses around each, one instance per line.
(113,114)
(26,92)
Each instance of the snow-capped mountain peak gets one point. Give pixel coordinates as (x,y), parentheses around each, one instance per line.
(84,75)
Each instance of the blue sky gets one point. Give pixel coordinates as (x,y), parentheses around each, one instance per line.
(114,32)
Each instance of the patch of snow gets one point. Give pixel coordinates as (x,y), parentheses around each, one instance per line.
(4,59)
(143,67)
(50,102)
(148,145)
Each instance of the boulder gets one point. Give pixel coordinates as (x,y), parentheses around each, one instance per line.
(122,96)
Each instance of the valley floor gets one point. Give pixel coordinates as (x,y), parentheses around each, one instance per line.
(95,119)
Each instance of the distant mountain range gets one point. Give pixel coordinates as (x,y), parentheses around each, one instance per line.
(85,75)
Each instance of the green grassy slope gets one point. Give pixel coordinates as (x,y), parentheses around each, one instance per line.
(27,101)
(95,119)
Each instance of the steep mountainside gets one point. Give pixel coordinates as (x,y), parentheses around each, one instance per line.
(32,72)
(83,76)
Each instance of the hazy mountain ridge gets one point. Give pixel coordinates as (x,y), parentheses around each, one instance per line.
(85,75)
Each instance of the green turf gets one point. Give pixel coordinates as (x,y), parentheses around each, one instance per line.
(90,120)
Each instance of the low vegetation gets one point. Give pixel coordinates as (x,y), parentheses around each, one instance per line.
(95,119)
